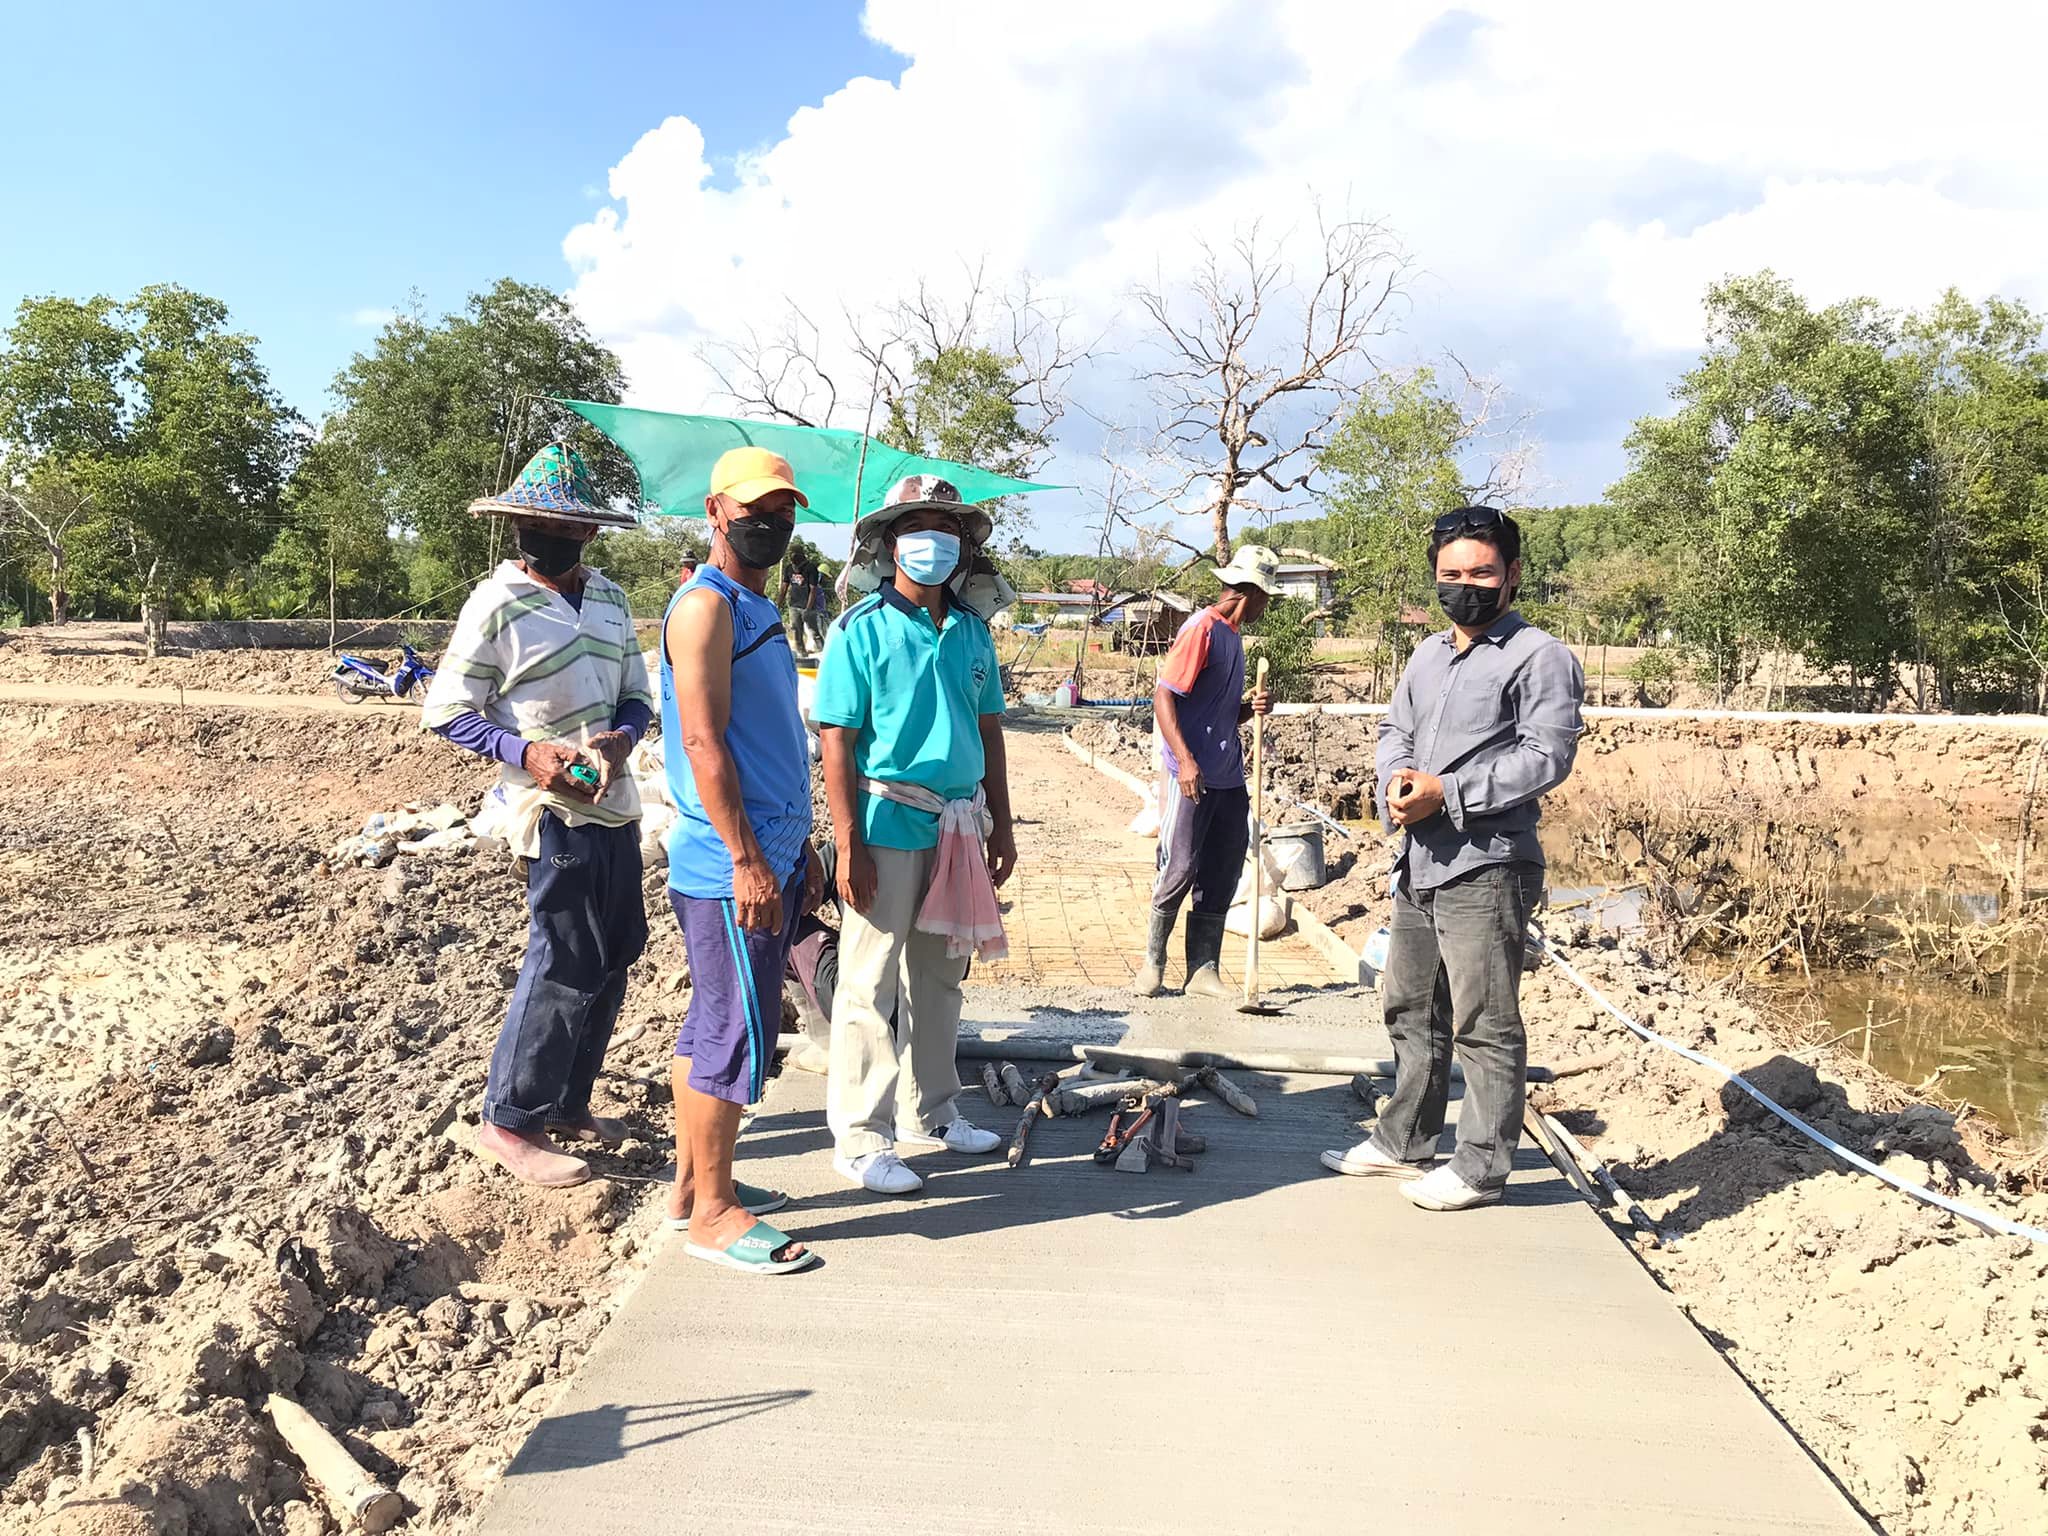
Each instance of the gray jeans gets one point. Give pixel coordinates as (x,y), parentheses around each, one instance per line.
(1454,977)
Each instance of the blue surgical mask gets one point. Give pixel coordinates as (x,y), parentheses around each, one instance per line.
(927,558)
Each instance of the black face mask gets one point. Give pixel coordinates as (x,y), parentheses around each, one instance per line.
(1469,605)
(759,541)
(553,555)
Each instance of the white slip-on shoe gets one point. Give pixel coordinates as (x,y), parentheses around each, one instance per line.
(960,1136)
(1442,1190)
(1367,1159)
(883,1172)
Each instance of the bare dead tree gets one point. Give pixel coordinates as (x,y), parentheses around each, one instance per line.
(784,375)
(1497,437)
(791,373)
(2023,610)
(1259,365)
(47,510)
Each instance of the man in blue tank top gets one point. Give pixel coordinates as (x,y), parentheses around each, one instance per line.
(740,867)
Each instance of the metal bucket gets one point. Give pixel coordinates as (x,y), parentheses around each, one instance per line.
(1298,850)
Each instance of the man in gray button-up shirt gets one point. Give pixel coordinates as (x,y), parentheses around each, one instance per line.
(1484,722)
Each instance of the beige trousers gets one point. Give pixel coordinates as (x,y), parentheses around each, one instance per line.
(882,1079)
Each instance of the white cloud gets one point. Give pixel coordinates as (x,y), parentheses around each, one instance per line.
(1571,176)
(373,319)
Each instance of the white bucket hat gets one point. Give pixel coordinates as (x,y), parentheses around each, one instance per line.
(977,583)
(1253,565)
(922,493)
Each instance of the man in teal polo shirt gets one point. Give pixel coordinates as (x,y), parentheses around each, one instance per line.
(909,711)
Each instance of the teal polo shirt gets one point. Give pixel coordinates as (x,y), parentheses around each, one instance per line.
(916,693)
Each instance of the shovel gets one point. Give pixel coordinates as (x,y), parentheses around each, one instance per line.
(1252,1002)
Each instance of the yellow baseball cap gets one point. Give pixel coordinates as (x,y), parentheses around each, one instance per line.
(748,474)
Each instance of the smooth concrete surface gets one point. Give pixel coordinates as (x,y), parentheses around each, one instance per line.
(1255,1346)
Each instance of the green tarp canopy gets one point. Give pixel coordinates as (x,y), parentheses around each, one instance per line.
(674,454)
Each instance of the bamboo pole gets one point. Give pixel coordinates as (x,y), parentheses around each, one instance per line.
(357,1497)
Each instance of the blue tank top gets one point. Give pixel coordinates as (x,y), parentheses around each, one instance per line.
(765,737)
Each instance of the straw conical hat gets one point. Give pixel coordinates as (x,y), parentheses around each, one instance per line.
(556,485)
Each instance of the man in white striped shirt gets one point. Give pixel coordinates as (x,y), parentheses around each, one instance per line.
(544,675)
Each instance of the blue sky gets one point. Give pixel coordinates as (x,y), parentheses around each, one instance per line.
(1566,179)
(307,163)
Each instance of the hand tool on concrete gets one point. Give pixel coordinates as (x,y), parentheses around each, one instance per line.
(1034,1107)
(1013,1083)
(1228,1092)
(1079,1098)
(1106,1148)
(1158,1139)
(992,1085)
(1252,1003)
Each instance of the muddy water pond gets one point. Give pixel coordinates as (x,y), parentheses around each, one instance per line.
(1994,1045)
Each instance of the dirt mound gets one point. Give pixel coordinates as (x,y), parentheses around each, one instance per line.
(265,672)
(1906,1347)
(231,1162)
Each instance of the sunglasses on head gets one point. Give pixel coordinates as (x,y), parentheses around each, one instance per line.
(1468,520)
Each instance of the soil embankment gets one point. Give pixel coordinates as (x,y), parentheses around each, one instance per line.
(226,1165)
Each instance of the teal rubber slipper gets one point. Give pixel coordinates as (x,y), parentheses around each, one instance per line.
(754,1252)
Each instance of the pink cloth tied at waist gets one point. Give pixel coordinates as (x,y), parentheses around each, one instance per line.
(960,903)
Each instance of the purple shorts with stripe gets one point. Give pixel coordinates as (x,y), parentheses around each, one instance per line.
(735,992)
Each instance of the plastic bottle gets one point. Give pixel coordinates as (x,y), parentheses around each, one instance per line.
(1376,949)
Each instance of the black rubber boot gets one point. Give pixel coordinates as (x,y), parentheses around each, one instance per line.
(1151,979)
(1205,952)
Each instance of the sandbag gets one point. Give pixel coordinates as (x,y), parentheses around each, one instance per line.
(1274,906)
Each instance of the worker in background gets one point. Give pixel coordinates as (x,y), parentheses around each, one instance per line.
(741,869)
(1484,722)
(819,613)
(686,572)
(543,674)
(802,599)
(909,708)
(1205,817)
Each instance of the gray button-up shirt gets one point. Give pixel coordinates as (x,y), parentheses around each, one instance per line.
(1499,723)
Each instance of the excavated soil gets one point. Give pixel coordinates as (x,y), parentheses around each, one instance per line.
(237,1083)
(1906,1347)
(244,671)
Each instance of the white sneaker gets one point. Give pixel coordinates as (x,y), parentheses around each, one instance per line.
(960,1136)
(1367,1158)
(1442,1190)
(883,1172)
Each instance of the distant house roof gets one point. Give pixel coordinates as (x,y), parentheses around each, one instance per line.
(1305,568)
(1414,615)
(1087,586)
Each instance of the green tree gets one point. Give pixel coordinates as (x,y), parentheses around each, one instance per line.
(442,413)
(646,560)
(1392,468)
(963,403)
(1782,486)
(165,419)
(1981,378)
(334,552)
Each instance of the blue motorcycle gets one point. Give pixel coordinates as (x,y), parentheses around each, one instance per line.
(361,677)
